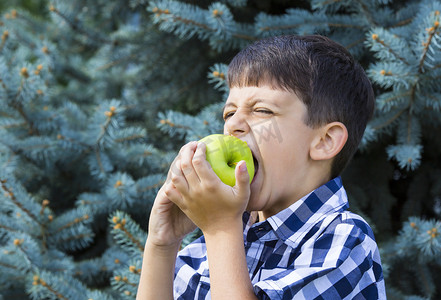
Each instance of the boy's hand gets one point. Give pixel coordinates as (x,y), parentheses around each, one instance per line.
(193,194)
(202,196)
(168,224)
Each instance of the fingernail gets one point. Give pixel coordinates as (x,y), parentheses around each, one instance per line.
(243,166)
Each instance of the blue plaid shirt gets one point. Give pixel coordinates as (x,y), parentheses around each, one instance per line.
(314,249)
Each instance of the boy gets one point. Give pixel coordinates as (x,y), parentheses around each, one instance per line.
(287,235)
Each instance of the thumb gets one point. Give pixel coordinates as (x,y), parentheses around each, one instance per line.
(242,180)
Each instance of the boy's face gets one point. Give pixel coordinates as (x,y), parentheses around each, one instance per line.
(271,122)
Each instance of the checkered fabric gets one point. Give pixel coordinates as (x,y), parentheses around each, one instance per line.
(315,249)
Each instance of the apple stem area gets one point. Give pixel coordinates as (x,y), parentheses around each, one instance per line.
(230,164)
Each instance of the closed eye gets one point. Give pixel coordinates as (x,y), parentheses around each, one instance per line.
(228,114)
(264,111)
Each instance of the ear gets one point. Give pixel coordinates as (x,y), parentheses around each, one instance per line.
(329,141)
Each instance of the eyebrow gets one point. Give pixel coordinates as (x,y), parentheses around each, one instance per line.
(227,105)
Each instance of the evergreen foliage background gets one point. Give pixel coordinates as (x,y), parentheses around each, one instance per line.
(96,97)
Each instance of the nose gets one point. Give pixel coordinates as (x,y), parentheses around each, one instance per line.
(237,124)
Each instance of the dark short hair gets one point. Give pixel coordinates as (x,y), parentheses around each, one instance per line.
(321,72)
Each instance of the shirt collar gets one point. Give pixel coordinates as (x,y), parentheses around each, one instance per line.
(293,223)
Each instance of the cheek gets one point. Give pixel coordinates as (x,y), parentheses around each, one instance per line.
(274,168)
(279,168)
(283,160)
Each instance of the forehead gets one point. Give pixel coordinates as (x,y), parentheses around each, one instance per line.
(255,77)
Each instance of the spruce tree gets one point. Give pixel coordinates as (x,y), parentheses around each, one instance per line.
(97,97)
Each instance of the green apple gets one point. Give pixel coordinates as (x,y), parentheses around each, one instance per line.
(224,152)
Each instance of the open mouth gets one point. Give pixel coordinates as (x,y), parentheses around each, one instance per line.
(256,165)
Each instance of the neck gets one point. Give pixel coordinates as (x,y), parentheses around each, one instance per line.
(315,178)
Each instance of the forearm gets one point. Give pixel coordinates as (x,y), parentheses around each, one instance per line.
(229,277)
(156,281)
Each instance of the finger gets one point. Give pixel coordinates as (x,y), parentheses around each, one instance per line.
(242,186)
(187,165)
(202,167)
(178,179)
(173,194)
(189,144)
(174,169)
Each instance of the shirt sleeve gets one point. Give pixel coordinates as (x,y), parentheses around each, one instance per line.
(341,263)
